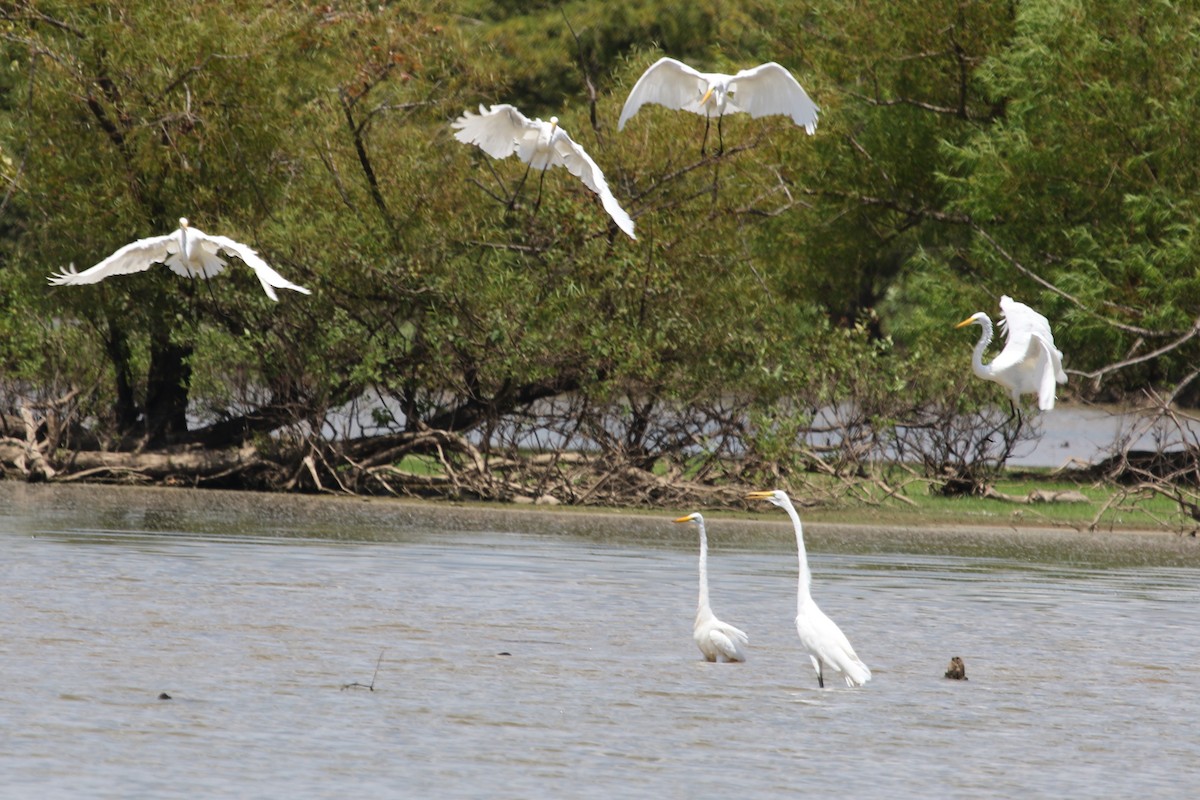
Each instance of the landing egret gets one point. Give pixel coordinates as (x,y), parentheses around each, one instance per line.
(820,637)
(760,91)
(1029,362)
(502,130)
(188,251)
(717,640)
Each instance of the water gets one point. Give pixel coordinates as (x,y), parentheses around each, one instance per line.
(543,655)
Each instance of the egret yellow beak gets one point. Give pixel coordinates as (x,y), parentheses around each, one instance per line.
(966,321)
(707,95)
(759,495)
(688,518)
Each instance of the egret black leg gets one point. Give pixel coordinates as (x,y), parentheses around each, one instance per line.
(704,141)
(513,200)
(538,204)
(720,137)
(821,677)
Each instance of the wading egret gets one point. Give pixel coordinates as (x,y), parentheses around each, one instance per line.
(718,641)
(820,637)
(1029,362)
(502,130)
(188,251)
(760,91)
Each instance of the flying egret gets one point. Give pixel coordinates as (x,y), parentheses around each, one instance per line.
(717,640)
(188,251)
(760,91)
(502,130)
(1029,362)
(820,637)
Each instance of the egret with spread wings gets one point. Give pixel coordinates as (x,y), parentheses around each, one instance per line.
(717,640)
(820,636)
(760,91)
(1029,362)
(502,130)
(188,251)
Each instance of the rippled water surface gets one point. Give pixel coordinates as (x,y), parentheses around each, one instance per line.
(541,655)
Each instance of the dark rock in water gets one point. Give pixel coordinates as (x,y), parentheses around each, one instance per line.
(164,696)
(957,670)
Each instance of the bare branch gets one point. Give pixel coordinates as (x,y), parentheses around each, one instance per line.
(1153,354)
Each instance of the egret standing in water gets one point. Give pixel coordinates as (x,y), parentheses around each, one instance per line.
(820,637)
(502,130)
(188,251)
(1029,362)
(717,640)
(760,91)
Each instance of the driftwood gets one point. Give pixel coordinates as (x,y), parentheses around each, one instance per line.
(458,469)
(180,466)
(1039,496)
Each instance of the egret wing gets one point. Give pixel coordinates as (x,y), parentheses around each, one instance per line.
(666,82)
(133,257)
(1018,322)
(1051,371)
(267,276)
(1022,325)
(727,645)
(770,89)
(825,641)
(575,159)
(495,131)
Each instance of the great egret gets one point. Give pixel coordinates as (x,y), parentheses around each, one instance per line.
(760,91)
(820,637)
(188,251)
(717,640)
(502,130)
(1029,362)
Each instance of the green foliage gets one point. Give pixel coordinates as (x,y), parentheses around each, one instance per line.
(965,150)
(1090,179)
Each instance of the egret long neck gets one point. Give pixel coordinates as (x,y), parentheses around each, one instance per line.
(803,593)
(985,338)
(702,603)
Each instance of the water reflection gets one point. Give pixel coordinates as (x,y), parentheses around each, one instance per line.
(252,617)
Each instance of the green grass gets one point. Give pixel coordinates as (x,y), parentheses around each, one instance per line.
(1108,507)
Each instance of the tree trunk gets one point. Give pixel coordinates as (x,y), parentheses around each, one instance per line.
(125,409)
(167,387)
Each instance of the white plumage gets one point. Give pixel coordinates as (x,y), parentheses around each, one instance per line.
(820,637)
(717,640)
(502,130)
(760,91)
(188,251)
(1029,362)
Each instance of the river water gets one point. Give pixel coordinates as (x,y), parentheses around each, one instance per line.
(519,654)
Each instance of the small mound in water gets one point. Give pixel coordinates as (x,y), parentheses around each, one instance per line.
(957,670)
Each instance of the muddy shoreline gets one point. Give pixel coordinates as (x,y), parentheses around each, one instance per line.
(255,514)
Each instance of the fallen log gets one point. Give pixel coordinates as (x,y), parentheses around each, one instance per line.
(193,462)
(1039,496)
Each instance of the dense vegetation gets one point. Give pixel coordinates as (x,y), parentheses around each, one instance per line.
(787,308)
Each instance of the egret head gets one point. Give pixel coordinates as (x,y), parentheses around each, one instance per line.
(183,223)
(553,123)
(977,318)
(707,94)
(777,497)
(691,518)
